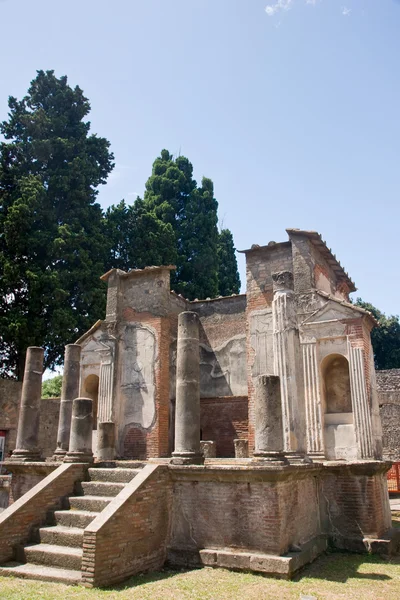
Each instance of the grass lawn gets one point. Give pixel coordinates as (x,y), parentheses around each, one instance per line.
(333,577)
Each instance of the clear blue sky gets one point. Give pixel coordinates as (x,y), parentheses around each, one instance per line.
(293,111)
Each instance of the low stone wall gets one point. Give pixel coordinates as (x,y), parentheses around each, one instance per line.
(278,518)
(388,385)
(25,475)
(10,396)
(262,510)
(130,535)
(30,511)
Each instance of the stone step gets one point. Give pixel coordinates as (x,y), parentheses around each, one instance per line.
(101,488)
(42,573)
(74,518)
(54,556)
(118,474)
(62,536)
(91,503)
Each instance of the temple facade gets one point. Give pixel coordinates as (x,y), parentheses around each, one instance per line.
(295,322)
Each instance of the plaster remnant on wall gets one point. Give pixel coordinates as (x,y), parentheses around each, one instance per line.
(137,377)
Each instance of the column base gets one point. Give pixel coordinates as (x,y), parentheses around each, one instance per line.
(21,455)
(59,455)
(298,458)
(187,458)
(79,457)
(317,457)
(269,458)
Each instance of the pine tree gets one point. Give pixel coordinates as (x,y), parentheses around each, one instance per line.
(228,274)
(51,231)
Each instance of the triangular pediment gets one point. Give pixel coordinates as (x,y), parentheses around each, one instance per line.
(92,345)
(332,311)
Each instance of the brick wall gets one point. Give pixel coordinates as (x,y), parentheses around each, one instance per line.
(131,535)
(355,504)
(223,420)
(242,508)
(274,510)
(30,511)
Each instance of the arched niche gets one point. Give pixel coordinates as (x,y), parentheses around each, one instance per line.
(91,390)
(336,378)
(339,434)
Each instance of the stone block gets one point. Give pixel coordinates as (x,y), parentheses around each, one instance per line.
(208,449)
(241,448)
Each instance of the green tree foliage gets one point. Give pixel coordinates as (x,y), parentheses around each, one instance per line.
(51,230)
(137,238)
(385,338)
(175,223)
(228,274)
(51,388)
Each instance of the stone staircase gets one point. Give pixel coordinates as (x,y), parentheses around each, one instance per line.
(58,555)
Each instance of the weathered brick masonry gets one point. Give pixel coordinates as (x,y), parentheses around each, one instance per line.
(17,522)
(131,535)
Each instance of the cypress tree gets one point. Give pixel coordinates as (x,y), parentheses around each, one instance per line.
(228,274)
(173,196)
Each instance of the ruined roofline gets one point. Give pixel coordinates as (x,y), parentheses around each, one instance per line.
(359,309)
(89,332)
(316,239)
(135,272)
(269,246)
(197,301)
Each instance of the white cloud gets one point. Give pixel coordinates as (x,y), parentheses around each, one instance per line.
(346,11)
(279,5)
(284,5)
(117,172)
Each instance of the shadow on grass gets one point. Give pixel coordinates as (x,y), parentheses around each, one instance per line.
(339,567)
(342,566)
(145,578)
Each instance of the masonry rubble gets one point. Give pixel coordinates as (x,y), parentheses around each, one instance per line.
(259,413)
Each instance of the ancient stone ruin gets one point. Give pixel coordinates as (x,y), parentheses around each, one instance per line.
(240,432)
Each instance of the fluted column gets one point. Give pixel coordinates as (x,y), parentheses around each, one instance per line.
(315,445)
(287,365)
(105,405)
(187,411)
(70,390)
(29,414)
(361,408)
